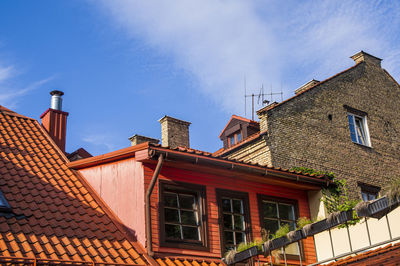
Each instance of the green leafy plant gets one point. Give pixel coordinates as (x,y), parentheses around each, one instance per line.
(392,191)
(303,221)
(335,197)
(282,231)
(256,243)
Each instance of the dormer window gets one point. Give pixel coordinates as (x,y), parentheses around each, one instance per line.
(235,138)
(4,206)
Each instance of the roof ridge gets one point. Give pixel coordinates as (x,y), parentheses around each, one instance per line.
(266,108)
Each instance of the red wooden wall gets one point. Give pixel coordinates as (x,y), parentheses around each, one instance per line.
(212,182)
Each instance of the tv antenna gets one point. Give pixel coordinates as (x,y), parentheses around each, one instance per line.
(260,98)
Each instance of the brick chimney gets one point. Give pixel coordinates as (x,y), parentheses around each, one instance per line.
(367,58)
(306,86)
(174,132)
(137,139)
(54,120)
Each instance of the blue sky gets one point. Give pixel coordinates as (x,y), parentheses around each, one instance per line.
(125,64)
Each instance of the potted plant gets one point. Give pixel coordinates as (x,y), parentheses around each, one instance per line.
(278,240)
(243,252)
(380,207)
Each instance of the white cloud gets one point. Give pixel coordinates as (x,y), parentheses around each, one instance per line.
(270,42)
(10,94)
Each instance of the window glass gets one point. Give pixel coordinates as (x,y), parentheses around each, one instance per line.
(234,225)
(239,136)
(276,215)
(232,140)
(181,211)
(358,130)
(4,206)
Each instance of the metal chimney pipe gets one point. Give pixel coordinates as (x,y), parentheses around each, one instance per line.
(56,100)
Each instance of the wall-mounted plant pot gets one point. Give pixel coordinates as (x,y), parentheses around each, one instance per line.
(315,228)
(337,218)
(295,236)
(376,208)
(275,243)
(243,255)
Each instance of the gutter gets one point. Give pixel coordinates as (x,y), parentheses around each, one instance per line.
(149,239)
(223,163)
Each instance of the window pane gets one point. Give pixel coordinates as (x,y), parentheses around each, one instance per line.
(228,236)
(170,200)
(228,222)
(232,140)
(292,224)
(286,212)
(271,226)
(226,205)
(237,206)
(171,215)
(188,218)
(352,128)
(187,202)
(240,237)
(364,196)
(270,209)
(173,231)
(191,233)
(372,196)
(239,136)
(239,222)
(360,130)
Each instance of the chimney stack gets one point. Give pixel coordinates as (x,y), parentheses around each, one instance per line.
(54,120)
(174,132)
(137,139)
(306,86)
(367,58)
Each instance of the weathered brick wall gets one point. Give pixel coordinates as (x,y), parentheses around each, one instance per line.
(255,152)
(301,134)
(174,132)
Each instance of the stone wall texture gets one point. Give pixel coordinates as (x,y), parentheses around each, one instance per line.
(301,133)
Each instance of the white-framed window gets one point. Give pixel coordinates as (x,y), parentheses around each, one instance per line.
(359,129)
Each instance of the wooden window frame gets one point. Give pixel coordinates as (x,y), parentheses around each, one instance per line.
(221,193)
(234,135)
(368,189)
(261,198)
(200,192)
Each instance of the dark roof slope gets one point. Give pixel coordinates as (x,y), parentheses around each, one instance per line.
(56,217)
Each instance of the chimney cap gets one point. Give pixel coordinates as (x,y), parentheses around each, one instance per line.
(366,57)
(57,92)
(169,118)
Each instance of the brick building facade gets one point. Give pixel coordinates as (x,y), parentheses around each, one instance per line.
(348,124)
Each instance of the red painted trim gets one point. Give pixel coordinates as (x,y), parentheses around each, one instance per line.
(238,118)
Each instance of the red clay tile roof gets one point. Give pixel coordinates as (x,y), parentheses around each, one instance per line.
(269,107)
(187,262)
(387,255)
(55,214)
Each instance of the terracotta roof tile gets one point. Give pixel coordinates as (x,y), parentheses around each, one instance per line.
(58,217)
(167,261)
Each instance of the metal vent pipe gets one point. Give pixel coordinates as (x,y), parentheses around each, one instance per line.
(56,100)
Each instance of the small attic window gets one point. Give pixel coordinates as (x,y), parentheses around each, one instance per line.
(4,206)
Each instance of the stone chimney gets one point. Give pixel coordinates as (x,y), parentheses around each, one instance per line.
(137,139)
(174,132)
(367,58)
(54,120)
(306,86)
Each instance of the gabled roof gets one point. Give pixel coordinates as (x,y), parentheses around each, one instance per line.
(272,106)
(56,217)
(252,122)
